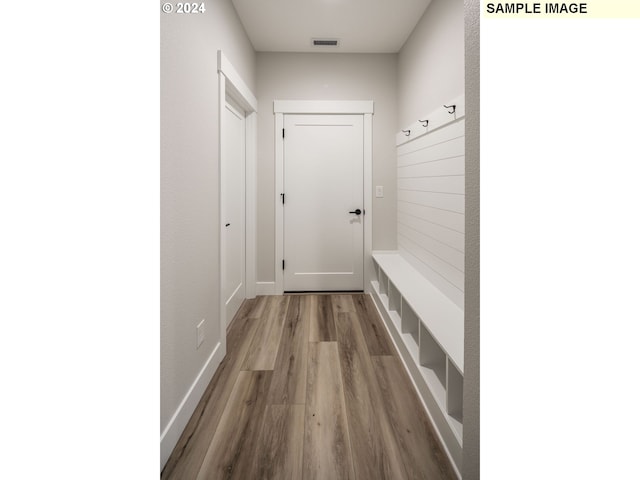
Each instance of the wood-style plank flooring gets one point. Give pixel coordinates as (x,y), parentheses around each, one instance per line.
(311,388)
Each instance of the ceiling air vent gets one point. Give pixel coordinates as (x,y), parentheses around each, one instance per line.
(325,42)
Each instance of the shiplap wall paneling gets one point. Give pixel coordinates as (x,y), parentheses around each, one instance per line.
(438,145)
(448,220)
(431,183)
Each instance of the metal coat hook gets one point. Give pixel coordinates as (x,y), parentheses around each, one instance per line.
(425,122)
(406,132)
(451,106)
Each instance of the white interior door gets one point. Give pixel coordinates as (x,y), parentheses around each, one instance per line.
(233,208)
(323,187)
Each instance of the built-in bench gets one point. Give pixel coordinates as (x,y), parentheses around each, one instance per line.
(428,329)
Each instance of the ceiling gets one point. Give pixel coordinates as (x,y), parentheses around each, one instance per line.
(361,26)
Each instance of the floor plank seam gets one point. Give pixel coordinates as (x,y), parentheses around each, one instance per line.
(344,406)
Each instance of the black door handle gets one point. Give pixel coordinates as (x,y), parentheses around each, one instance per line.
(357,211)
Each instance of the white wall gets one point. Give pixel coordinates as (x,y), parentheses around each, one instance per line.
(189,187)
(431,62)
(326,76)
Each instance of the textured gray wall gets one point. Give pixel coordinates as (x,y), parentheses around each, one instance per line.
(471,391)
(189,187)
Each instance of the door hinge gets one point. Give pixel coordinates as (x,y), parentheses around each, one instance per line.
(282,195)
(283,133)
(283,264)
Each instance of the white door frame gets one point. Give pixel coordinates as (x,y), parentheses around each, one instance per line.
(330,107)
(231,84)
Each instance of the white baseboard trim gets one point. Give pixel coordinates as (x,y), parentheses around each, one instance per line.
(265,288)
(178,422)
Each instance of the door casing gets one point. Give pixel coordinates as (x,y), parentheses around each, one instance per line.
(230,84)
(311,107)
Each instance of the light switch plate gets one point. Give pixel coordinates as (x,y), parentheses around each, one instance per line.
(379,191)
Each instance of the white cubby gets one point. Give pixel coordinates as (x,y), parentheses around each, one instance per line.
(395,307)
(454,397)
(383,281)
(394,298)
(428,330)
(433,365)
(410,325)
(376,273)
